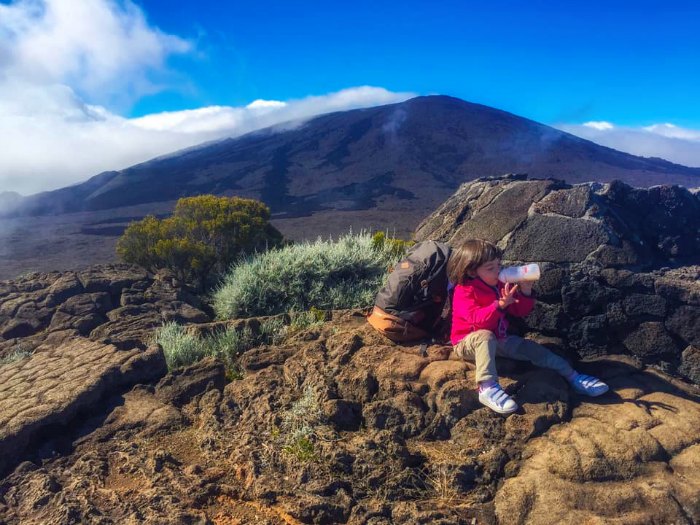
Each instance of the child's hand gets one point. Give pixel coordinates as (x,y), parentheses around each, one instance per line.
(508,295)
(526,287)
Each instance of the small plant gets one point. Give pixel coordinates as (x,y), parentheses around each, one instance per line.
(273,331)
(302,448)
(234,374)
(397,247)
(303,320)
(299,425)
(16,355)
(303,414)
(180,347)
(440,483)
(319,315)
(229,344)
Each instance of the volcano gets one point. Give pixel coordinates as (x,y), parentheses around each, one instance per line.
(419,150)
(385,167)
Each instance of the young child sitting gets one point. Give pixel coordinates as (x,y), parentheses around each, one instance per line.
(479,324)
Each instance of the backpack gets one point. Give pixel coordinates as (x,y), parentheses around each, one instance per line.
(414,305)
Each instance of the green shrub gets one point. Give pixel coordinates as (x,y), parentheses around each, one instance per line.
(302,448)
(299,426)
(204,235)
(272,331)
(16,355)
(229,344)
(323,274)
(182,348)
(397,247)
(303,320)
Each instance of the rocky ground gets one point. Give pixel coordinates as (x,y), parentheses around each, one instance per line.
(337,425)
(116,304)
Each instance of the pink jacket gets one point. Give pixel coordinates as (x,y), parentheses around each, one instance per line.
(475,307)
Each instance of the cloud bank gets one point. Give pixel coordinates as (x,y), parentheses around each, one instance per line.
(666,141)
(67,66)
(64,62)
(65,141)
(104,49)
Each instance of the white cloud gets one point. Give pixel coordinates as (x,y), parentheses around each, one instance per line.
(227,121)
(103,49)
(666,141)
(265,104)
(65,141)
(674,132)
(64,62)
(599,125)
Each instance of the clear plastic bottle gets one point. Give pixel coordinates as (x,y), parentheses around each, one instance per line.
(515,274)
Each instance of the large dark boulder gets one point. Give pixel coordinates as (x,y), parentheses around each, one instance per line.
(620,264)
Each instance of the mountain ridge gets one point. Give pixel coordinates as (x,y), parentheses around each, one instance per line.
(351,159)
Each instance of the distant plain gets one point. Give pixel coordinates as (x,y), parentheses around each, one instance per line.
(74,240)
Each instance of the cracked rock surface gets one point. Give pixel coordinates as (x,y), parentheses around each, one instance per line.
(337,425)
(116,304)
(68,340)
(634,457)
(53,385)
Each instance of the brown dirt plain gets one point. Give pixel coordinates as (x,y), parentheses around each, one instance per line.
(73,241)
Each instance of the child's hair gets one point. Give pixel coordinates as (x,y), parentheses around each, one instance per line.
(467,257)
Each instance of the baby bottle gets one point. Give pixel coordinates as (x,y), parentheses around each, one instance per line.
(515,274)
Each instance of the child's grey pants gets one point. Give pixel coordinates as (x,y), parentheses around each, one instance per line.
(482,347)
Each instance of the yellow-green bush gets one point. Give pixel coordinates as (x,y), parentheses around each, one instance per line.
(204,235)
(396,247)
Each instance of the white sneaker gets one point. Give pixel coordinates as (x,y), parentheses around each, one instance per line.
(588,385)
(497,400)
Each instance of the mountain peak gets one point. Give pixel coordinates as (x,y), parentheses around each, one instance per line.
(416,151)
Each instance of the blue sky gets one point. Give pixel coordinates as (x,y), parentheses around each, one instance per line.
(93,85)
(635,63)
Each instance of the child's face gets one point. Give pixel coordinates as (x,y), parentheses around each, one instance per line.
(488,272)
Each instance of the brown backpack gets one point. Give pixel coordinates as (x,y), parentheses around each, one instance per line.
(394,327)
(414,305)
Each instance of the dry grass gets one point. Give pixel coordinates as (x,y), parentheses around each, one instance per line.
(443,462)
(440,481)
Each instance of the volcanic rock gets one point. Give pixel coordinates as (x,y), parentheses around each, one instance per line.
(336,424)
(116,304)
(276,446)
(53,385)
(621,265)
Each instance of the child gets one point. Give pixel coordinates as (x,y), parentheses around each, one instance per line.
(479,324)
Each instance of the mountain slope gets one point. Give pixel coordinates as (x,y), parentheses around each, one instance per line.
(417,151)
